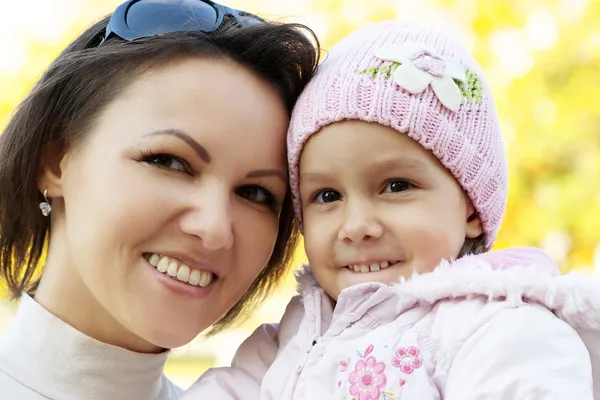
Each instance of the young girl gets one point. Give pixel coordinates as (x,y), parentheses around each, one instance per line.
(397,165)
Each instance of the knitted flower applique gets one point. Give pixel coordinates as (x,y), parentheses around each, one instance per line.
(421,66)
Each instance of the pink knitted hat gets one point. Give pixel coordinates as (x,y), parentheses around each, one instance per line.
(419,82)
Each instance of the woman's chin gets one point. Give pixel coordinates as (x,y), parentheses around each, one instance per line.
(171,339)
(157,332)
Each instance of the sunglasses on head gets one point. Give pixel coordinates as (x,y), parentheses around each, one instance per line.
(136,19)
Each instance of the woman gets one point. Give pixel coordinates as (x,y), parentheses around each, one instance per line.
(146,172)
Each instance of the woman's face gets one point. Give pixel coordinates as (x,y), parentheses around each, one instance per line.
(168,212)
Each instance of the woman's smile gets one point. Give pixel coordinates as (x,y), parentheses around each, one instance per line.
(180,278)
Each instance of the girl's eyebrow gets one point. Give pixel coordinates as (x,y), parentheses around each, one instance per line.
(315,177)
(401,163)
(377,166)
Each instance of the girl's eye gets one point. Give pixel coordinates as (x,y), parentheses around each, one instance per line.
(257,194)
(167,161)
(327,196)
(397,185)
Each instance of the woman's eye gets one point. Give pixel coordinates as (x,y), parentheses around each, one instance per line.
(327,196)
(256,194)
(167,161)
(397,185)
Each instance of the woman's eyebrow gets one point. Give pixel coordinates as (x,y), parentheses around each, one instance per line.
(197,147)
(205,156)
(259,173)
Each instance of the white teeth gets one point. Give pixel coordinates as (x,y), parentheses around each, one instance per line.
(172,270)
(163,265)
(373,267)
(181,272)
(205,278)
(154,259)
(194,277)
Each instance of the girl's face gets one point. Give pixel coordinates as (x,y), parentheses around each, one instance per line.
(377,206)
(169,210)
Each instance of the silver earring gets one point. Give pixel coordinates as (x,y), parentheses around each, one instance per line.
(45,205)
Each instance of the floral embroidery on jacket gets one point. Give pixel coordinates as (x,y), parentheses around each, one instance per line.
(368,377)
(344,365)
(407,359)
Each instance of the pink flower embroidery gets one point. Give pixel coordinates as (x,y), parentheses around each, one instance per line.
(429,62)
(407,359)
(344,365)
(367,379)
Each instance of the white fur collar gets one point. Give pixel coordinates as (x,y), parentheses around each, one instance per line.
(574,297)
(517,275)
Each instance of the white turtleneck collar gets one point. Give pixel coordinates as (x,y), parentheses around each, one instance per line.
(42,357)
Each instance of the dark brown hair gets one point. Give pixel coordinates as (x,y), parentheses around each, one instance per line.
(83,79)
(473,246)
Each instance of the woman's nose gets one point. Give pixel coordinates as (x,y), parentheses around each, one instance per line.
(211,220)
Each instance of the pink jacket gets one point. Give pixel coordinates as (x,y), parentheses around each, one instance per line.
(504,325)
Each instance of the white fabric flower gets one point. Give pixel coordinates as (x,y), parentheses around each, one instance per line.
(420,66)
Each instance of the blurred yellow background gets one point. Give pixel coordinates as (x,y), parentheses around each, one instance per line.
(542,58)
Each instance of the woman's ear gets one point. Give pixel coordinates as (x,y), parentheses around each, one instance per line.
(473,227)
(49,177)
